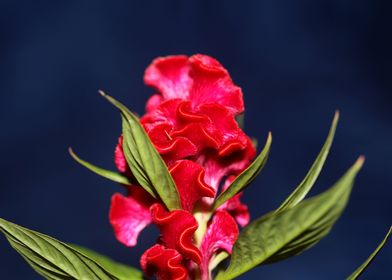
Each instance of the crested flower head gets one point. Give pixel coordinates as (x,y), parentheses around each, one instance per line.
(191,122)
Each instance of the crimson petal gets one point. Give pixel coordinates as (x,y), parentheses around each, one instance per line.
(165,264)
(189,179)
(217,166)
(119,157)
(170,76)
(130,215)
(221,234)
(212,84)
(170,146)
(177,228)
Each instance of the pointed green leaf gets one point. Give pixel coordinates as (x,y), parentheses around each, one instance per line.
(363,267)
(113,176)
(121,271)
(144,160)
(247,176)
(277,236)
(307,183)
(51,258)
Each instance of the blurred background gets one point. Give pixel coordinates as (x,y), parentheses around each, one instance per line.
(296,61)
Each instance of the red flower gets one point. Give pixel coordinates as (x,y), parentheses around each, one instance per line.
(199,78)
(130,215)
(191,122)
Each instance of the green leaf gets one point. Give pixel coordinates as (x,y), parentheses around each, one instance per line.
(369,260)
(277,236)
(113,176)
(143,159)
(121,271)
(247,176)
(51,258)
(307,183)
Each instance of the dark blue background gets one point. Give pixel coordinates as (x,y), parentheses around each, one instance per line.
(297,61)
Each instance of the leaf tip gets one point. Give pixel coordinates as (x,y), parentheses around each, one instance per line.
(360,161)
(335,119)
(269,138)
(73,155)
(102,93)
(71,152)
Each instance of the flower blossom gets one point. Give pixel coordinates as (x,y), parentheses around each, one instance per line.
(191,122)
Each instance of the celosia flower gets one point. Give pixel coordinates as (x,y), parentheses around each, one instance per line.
(191,122)
(187,149)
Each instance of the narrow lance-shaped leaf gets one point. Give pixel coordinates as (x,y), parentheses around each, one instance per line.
(121,271)
(247,176)
(113,176)
(144,160)
(51,258)
(307,183)
(369,260)
(277,236)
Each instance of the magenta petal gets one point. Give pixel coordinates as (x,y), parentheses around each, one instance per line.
(170,76)
(119,157)
(177,229)
(189,179)
(165,264)
(221,234)
(216,167)
(129,216)
(212,84)
(153,102)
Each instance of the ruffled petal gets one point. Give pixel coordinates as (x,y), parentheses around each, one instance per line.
(199,78)
(198,135)
(189,179)
(217,167)
(186,114)
(177,228)
(130,215)
(166,113)
(169,75)
(224,128)
(212,84)
(221,234)
(165,264)
(172,147)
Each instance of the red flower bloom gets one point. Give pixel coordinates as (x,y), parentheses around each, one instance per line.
(191,122)
(199,78)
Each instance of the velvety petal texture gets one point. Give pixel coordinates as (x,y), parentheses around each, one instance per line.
(170,76)
(189,179)
(221,234)
(190,119)
(119,157)
(199,78)
(165,264)
(177,228)
(130,215)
